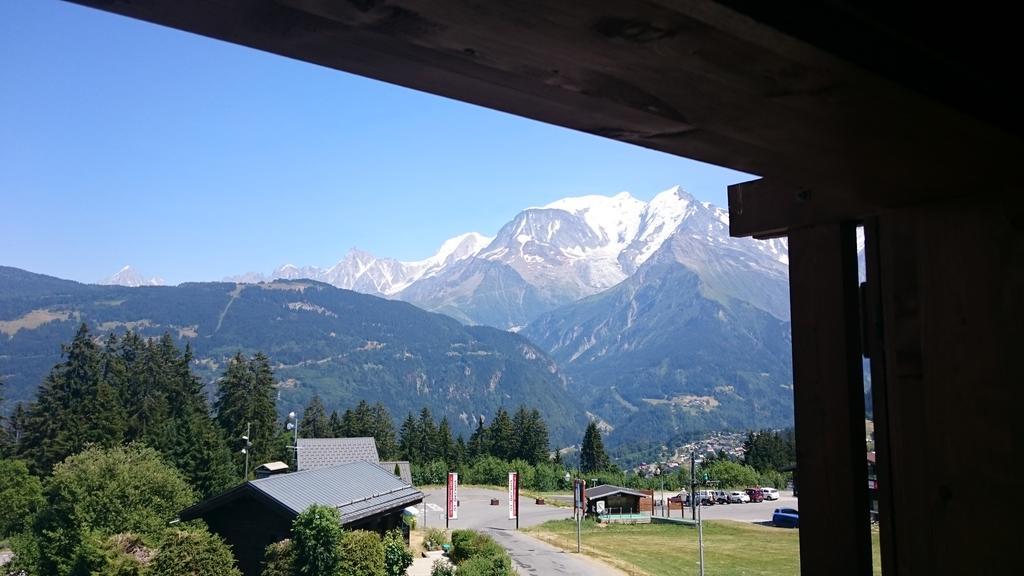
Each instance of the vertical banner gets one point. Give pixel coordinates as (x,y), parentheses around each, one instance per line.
(453,496)
(513,495)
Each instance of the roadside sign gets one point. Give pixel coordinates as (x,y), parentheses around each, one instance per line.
(513,495)
(453,496)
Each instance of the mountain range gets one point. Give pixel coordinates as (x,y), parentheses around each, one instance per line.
(553,255)
(343,345)
(657,323)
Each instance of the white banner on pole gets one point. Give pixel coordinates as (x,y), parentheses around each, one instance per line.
(453,495)
(513,492)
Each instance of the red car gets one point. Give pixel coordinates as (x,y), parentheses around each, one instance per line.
(756,495)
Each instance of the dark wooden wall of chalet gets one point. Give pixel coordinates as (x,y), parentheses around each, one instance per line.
(248,526)
(951,281)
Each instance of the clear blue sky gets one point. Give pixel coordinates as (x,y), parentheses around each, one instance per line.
(125,143)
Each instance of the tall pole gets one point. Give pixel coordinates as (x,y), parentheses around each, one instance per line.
(578,498)
(700,541)
(248,444)
(663,501)
(693,485)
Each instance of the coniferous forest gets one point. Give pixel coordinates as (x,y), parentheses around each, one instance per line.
(122,435)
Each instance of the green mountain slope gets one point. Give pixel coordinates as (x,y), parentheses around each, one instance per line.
(659,356)
(340,344)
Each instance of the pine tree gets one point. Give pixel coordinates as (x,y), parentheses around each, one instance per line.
(5,440)
(348,425)
(409,441)
(592,455)
(427,436)
(169,411)
(445,444)
(62,420)
(383,431)
(478,441)
(334,425)
(531,436)
(315,423)
(245,396)
(362,420)
(16,427)
(459,454)
(501,436)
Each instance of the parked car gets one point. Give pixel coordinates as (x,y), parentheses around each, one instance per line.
(706,497)
(786,518)
(737,497)
(721,496)
(770,493)
(755,494)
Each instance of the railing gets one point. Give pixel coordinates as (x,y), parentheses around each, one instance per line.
(624,516)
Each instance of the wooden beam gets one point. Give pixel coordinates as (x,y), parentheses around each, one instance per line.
(875,351)
(828,395)
(769,208)
(951,282)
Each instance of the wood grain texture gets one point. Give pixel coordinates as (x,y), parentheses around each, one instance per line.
(828,396)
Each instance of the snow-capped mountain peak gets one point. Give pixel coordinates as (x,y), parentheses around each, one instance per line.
(131,278)
(613,218)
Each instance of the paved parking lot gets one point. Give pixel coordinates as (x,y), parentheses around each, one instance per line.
(752,512)
(530,555)
(537,558)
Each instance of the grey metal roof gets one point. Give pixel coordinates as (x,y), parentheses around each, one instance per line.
(322,452)
(404,469)
(608,489)
(357,490)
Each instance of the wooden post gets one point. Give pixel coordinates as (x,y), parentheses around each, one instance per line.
(828,394)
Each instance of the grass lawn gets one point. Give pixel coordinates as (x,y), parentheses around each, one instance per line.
(730,548)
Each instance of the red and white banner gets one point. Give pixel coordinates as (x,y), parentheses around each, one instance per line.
(453,496)
(513,495)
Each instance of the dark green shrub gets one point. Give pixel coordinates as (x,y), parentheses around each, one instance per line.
(195,552)
(279,559)
(397,557)
(362,554)
(468,544)
(488,565)
(21,496)
(318,535)
(434,538)
(101,492)
(442,568)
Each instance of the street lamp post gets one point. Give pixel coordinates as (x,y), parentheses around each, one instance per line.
(657,472)
(246,445)
(293,426)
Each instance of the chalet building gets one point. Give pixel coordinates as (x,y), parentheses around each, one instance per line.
(615,503)
(260,512)
(317,453)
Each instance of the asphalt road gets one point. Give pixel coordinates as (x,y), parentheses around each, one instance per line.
(531,556)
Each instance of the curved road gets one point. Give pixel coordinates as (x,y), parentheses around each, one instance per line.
(531,556)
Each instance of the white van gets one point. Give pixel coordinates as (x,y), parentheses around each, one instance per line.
(737,497)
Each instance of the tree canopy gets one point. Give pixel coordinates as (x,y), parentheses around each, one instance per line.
(593,458)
